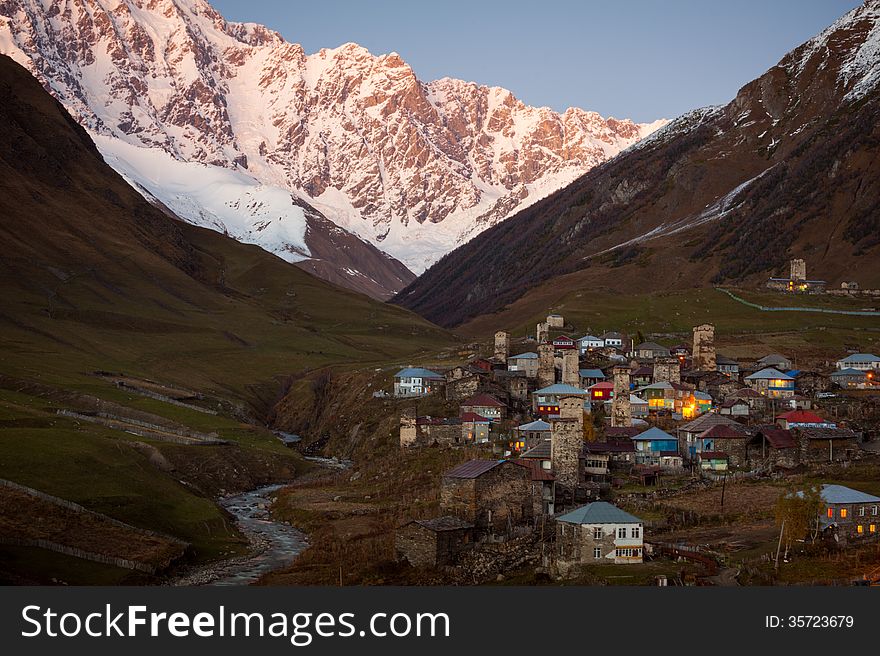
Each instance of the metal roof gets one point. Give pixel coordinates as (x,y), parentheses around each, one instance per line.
(535,426)
(417,372)
(723,432)
(849,371)
(860,358)
(842,494)
(524,356)
(560,389)
(771,373)
(482,401)
(654,434)
(706,421)
(591,373)
(472,468)
(541,451)
(599,512)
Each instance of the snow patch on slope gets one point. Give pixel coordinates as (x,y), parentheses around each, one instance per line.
(213,197)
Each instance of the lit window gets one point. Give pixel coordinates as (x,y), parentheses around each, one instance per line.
(831,512)
(597,552)
(860,529)
(872,528)
(843,513)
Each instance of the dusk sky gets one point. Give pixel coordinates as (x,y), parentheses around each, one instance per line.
(640,59)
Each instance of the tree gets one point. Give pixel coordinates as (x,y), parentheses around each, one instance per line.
(797,513)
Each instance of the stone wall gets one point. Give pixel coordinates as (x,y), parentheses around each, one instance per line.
(667,370)
(423,547)
(546,366)
(621,412)
(571,368)
(491,499)
(704,348)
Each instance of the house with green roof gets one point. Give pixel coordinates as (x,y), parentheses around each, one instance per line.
(597,533)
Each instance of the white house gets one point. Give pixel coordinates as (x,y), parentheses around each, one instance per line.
(860,362)
(599,532)
(416,381)
(588,342)
(612,340)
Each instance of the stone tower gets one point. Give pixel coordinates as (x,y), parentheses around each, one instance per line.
(546,366)
(542,333)
(798,270)
(567,441)
(621,414)
(502,346)
(408,427)
(704,348)
(571,368)
(667,370)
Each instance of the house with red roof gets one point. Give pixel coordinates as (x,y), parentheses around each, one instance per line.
(802,419)
(601,391)
(474,428)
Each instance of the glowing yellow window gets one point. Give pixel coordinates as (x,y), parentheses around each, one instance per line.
(831,512)
(872,528)
(860,529)
(843,513)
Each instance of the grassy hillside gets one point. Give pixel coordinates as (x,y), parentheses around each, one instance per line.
(94,279)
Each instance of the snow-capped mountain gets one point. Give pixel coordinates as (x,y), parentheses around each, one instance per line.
(229,126)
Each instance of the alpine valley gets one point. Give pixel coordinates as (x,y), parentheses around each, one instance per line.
(341,161)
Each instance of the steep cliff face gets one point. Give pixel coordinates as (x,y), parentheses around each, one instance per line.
(790,167)
(414,168)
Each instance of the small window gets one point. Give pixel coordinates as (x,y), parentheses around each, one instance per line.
(597,553)
(843,513)
(873,510)
(860,529)
(830,513)
(636,532)
(872,528)
(862,511)
(621,533)
(597,533)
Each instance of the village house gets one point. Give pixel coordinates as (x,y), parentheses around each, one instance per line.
(775,361)
(860,362)
(727,366)
(416,381)
(589,343)
(735,408)
(716,384)
(484,405)
(773,448)
(603,457)
(771,383)
(493,495)
(688,434)
(848,513)
(643,376)
(425,431)
(555,321)
(810,382)
(714,461)
(827,444)
(660,396)
(590,377)
(514,383)
(613,340)
(650,351)
(638,407)
(463,382)
(528,436)
(475,428)
(563,343)
(433,542)
(757,401)
(797,281)
(657,447)
(541,453)
(601,392)
(527,362)
(729,440)
(850,378)
(543,487)
(802,419)
(545,401)
(598,532)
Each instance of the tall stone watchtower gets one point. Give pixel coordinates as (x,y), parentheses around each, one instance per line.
(542,332)
(546,365)
(502,346)
(567,441)
(798,270)
(667,370)
(621,412)
(571,368)
(704,348)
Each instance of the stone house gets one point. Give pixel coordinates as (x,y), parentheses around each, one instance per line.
(528,436)
(602,458)
(802,419)
(643,376)
(590,377)
(730,440)
(850,378)
(827,444)
(526,362)
(650,351)
(474,428)
(757,401)
(775,361)
(598,532)
(545,401)
(734,408)
(515,384)
(484,405)
(727,366)
(493,495)
(541,453)
(464,387)
(688,434)
(589,343)
(773,448)
(433,542)
(657,447)
(555,321)
(849,514)
(425,431)
(543,487)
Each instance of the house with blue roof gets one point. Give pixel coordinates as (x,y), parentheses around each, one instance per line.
(590,377)
(772,383)
(596,533)
(848,513)
(416,381)
(526,362)
(850,378)
(589,343)
(545,401)
(657,447)
(860,362)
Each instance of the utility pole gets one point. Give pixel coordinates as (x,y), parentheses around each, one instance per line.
(779,545)
(723,485)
